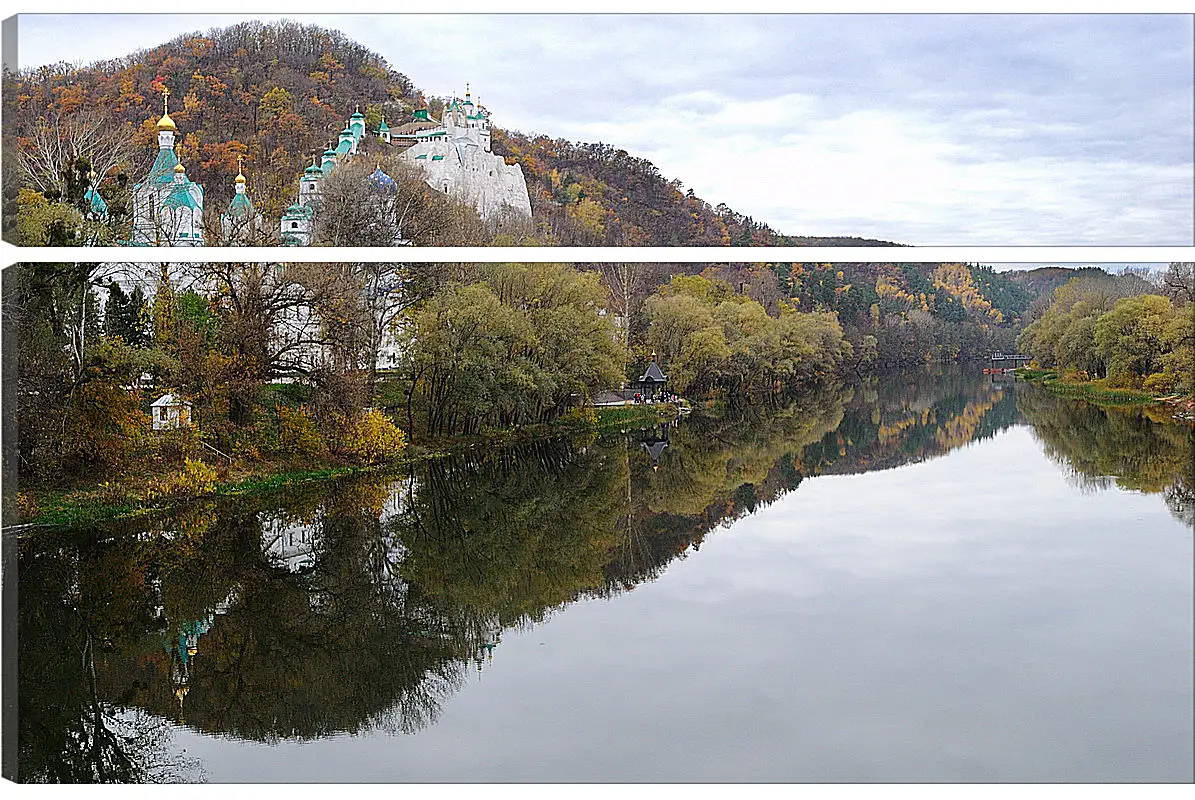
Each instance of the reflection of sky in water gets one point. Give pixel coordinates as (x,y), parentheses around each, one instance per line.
(971,618)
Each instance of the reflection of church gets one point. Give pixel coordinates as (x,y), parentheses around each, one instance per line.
(291,547)
(181,643)
(182,649)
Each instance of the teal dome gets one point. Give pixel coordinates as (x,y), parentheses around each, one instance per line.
(97,204)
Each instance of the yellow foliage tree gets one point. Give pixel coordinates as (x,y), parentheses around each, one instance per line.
(373,438)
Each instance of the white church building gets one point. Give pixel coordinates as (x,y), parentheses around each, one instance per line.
(454,153)
(457,159)
(167,206)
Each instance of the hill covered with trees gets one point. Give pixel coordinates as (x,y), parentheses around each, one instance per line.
(277,93)
(273,93)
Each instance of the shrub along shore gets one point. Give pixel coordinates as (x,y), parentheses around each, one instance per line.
(1100,393)
(136,495)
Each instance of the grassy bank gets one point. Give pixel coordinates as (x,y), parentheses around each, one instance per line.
(124,499)
(1099,393)
(128,495)
(612,419)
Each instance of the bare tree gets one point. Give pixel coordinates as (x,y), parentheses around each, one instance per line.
(221,229)
(51,149)
(363,307)
(270,326)
(625,282)
(353,211)
(1179,281)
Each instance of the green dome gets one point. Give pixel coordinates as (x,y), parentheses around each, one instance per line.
(97,203)
(241,205)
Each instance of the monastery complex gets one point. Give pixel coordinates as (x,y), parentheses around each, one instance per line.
(454,154)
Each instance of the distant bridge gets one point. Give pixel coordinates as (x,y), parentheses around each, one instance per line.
(1004,362)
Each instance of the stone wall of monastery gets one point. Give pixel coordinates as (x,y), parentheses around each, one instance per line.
(471,175)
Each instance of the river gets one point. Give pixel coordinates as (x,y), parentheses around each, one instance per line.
(925,577)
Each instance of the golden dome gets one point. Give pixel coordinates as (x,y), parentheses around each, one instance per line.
(179,168)
(166,123)
(240,178)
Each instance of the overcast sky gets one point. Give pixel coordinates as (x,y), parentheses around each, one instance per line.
(931,130)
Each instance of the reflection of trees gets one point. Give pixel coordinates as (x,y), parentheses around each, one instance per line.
(363,603)
(716,471)
(508,536)
(709,460)
(311,652)
(894,420)
(209,620)
(1125,446)
(67,731)
(1180,496)
(713,472)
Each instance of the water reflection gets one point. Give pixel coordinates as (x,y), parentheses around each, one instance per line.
(1138,449)
(365,604)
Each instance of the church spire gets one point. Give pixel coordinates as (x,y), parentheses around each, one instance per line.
(166,126)
(166,123)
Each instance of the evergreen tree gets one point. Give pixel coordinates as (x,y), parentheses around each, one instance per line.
(125,316)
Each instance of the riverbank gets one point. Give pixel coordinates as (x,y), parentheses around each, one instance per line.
(133,495)
(1099,393)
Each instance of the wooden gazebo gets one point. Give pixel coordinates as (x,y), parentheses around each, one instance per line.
(652,383)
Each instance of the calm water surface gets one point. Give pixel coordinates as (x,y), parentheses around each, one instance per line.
(925,578)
